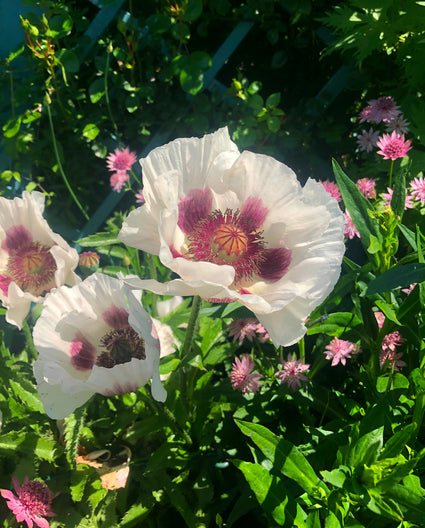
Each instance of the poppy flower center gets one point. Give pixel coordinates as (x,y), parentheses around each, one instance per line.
(32,267)
(121,346)
(225,238)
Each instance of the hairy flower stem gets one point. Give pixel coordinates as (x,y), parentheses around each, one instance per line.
(65,179)
(196,306)
(32,352)
(391,173)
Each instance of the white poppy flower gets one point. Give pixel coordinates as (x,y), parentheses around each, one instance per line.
(33,259)
(94,337)
(238,227)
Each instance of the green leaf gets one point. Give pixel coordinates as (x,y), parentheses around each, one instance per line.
(397,277)
(193,11)
(73,427)
(358,207)
(26,392)
(366,449)
(269,489)
(99,239)
(90,131)
(69,61)
(273,124)
(135,515)
(11,128)
(388,311)
(97,90)
(191,80)
(273,100)
(335,324)
(158,23)
(285,457)
(399,195)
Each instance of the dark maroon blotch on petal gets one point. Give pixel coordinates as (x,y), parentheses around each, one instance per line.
(253,213)
(275,264)
(193,208)
(16,237)
(83,353)
(115,317)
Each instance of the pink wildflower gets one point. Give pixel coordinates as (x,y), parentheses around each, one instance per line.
(409,290)
(241,376)
(339,351)
(350,230)
(398,124)
(292,372)
(118,180)
(418,189)
(32,502)
(388,355)
(140,198)
(394,146)
(332,189)
(408,204)
(365,115)
(121,160)
(383,109)
(367,187)
(247,328)
(380,318)
(367,140)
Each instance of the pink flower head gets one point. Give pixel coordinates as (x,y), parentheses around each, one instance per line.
(333,189)
(380,318)
(140,199)
(31,503)
(383,109)
(241,376)
(339,351)
(121,160)
(408,203)
(367,187)
(292,372)
(367,140)
(394,146)
(364,115)
(398,124)
(388,355)
(409,290)
(247,328)
(118,180)
(350,230)
(418,189)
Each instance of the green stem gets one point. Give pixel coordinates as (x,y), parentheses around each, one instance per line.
(65,179)
(391,173)
(153,274)
(135,177)
(32,351)
(111,117)
(301,347)
(187,345)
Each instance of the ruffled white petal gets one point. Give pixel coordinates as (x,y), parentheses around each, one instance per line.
(71,312)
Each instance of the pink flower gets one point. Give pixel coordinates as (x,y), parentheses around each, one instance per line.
(32,502)
(247,328)
(140,198)
(118,180)
(418,189)
(380,318)
(350,230)
(121,160)
(408,204)
(365,115)
(394,146)
(398,124)
(367,187)
(292,372)
(409,290)
(241,376)
(388,355)
(332,189)
(339,351)
(367,140)
(383,109)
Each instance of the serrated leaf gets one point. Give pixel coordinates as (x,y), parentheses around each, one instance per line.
(397,277)
(72,431)
(269,489)
(358,206)
(27,394)
(285,457)
(134,515)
